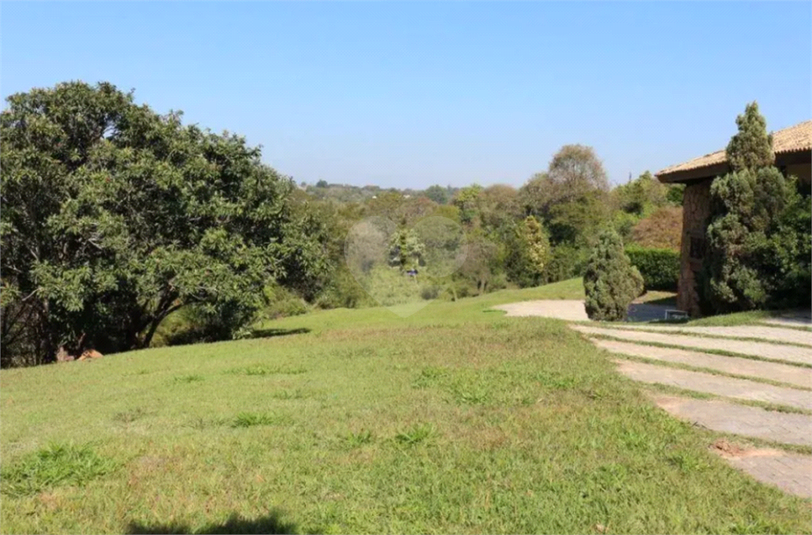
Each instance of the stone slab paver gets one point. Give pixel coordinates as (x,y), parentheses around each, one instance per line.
(775,334)
(789,322)
(724,417)
(790,472)
(565,309)
(716,384)
(758,349)
(775,371)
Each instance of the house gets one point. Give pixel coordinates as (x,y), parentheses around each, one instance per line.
(793,155)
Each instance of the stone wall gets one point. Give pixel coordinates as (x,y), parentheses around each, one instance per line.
(695,214)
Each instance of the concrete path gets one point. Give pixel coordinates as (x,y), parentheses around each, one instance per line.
(718,385)
(572,310)
(784,427)
(789,472)
(764,350)
(564,309)
(775,334)
(774,371)
(789,322)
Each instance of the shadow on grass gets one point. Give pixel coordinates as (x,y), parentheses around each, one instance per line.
(271,523)
(267,333)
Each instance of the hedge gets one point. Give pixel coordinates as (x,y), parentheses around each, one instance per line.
(659,267)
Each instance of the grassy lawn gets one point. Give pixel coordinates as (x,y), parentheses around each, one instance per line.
(454,419)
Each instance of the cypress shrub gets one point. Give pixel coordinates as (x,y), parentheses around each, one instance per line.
(611,282)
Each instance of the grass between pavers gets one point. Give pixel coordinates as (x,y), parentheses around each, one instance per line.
(776,407)
(452,420)
(653,329)
(709,371)
(741,440)
(720,352)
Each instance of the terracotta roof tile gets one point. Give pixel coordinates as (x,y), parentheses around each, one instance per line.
(793,139)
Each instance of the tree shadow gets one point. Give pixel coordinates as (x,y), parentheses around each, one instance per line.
(270,523)
(267,333)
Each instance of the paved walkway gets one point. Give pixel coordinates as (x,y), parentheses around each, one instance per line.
(572,310)
(725,417)
(771,341)
(765,350)
(775,334)
(789,472)
(718,385)
(774,371)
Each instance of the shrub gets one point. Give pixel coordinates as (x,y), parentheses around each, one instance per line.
(611,282)
(566,261)
(528,250)
(659,267)
(758,241)
(662,229)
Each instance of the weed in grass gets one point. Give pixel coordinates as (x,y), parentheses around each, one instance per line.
(57,464)
(430,376)
(356,440)
(287,394)
(201,424)
(129,416)
(416,434)
(688,461)
(263,369)
(553,381)
(250,419)
(188,379)
(471,393)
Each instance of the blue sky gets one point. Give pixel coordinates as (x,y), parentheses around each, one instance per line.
(412,94)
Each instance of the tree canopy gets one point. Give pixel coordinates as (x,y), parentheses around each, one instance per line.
(114,216)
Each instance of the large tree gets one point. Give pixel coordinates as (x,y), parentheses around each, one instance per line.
(115,216)
(759,235)
(571,196)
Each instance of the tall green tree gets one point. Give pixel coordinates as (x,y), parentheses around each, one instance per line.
(115,216)
(758,239)
(528,252)
(570,198)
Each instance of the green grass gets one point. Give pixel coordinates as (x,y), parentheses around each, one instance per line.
(455,419)
(731,320)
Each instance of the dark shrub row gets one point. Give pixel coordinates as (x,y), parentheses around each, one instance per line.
(659,267)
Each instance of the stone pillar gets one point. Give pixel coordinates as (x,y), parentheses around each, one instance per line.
(695,215)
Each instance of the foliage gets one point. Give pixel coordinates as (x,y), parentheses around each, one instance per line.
(662,229)
(406,250)
(759,240)
(675,194)
(527,253)
(114,216)
(467,200)
(570,197)
(758,243)
(438,194)
(481,264)
(566,261)
(659,267)
(640,196)
(751,147)
(611,282)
